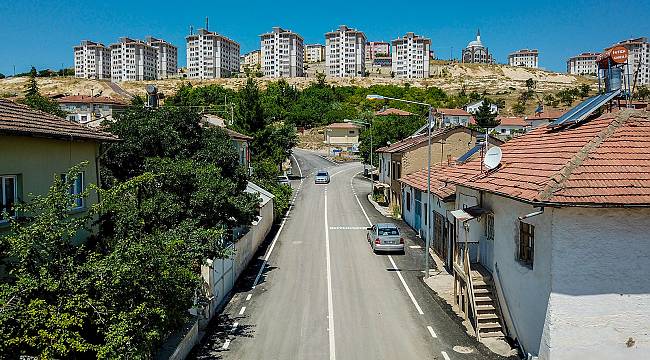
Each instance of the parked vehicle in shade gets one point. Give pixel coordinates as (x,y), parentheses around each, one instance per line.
(283,180)
(385,237)
(322,177)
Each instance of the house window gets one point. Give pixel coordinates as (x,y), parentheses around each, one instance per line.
(426,213)
(8,191)
(408,201)
(526,243)
(76,188)
(351,132)
(399,170)
(392,170)
(489,226)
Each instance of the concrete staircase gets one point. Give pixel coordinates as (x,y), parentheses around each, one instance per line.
(488,319)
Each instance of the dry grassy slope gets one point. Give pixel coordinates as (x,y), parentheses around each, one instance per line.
(500,81)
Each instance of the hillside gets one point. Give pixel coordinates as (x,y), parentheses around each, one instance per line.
(499,81)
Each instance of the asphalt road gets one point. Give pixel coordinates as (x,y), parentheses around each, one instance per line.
(323,294)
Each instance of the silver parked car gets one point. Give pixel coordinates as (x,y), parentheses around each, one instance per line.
(385,237)
(322,177)
(283,180)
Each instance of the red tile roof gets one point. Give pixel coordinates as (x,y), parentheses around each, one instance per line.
(238,136)
(602,162)
(16,119)
(342,126)
(83,99)
(441,179)
(393,111)
(412,141)
(512,121)
(453,112)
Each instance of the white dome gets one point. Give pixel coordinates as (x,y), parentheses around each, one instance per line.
(475,43)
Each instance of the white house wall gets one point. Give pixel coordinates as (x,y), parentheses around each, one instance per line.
(600,301)
(524,292)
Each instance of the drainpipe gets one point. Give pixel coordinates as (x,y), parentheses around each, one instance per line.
(539,212)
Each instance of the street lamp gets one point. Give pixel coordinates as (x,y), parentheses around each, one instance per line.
(369,124)
(432,110)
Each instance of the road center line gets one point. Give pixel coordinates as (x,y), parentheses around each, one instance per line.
(277,235)
(433,333)
(399,274)
(248,297)
(330,301)
(444,355)
(243,308)
(234,327)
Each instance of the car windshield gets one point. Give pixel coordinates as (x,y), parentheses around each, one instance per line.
(388,231)
(322,173)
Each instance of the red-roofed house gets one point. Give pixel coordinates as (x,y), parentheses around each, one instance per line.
(451,117)
(344,136)
(91,110)
(510,125)
(410,155)
(35,147)
(544,118)
(558,232)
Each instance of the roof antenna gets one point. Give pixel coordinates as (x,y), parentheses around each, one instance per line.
(206,24)
(191,30)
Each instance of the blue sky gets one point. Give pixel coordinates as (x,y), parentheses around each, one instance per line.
(42,33)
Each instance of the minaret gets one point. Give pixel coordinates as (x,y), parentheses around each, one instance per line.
(478,34)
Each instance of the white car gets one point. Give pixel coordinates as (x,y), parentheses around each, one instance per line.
(385,237)
(283,180)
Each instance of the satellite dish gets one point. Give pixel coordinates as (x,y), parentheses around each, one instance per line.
(492,158)
(151,89)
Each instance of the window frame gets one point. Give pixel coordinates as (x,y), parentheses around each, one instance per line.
(408,201)
(526,244)
(4,221)
(77,187)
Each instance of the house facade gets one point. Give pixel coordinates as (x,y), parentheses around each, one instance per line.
(511,125)
(342,135)
(411,154)
(37,147)
(557,235)
(473,107)
(90,110)
(454,117)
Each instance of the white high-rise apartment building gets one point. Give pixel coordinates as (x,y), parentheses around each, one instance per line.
(166,57)
(638,59)
(283,53)
(314,53)
(524,57)
(211,55)
(411,56)
(345,52)
(92,60)
(377,49)
(583,64)
(132,60)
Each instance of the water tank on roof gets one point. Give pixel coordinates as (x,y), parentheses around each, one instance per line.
(613,79)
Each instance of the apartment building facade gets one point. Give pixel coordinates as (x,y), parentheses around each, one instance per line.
(133,60)
(376,49)
(166,57)
(250,61)
(283,53)
(211,55)
(410,57)
(638,60)
(92,60)
(314,53)
(345,52)
(583,64)
(524,57)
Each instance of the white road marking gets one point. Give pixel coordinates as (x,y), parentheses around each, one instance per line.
(408,291)
(248,297)
(399,274)
(243,308)
(299,170)
(415,247)
(277,235)
(234,327)
(226,344)
(444,355)
(433,333)
(330,301)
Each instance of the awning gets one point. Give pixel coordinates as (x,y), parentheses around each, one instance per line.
(469,213)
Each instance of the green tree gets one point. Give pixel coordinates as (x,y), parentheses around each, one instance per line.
(37,101)
(2,76)
(484,116)
(250,114)
(566,96)
(385,130)
(584,90)
(519,108)
(31,89)
(642,92)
